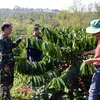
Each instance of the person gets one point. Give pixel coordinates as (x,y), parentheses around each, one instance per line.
(32,52)
(94,89)
(7,60)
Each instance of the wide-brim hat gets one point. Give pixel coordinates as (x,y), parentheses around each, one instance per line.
(94,27)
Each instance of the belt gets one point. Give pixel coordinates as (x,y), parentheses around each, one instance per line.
(97,66)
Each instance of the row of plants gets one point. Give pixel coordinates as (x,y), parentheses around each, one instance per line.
(61,74)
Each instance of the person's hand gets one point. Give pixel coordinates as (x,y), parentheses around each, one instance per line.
(27,61)
(23,37)
(84,53)
(89,61)
(7,69)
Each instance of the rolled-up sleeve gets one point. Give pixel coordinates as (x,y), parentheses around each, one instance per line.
(16,43)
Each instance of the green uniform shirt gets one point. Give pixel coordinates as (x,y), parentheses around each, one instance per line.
(6,54)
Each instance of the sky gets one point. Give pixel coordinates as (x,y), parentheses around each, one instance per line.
(51,4)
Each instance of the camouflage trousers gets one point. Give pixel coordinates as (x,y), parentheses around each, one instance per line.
(6,83)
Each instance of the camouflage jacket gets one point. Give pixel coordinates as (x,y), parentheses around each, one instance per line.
(6,54)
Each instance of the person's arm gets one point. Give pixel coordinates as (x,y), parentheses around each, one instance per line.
(1,53)
(92,52)
(27,51)
(3,63)
(16,43)
(92,60)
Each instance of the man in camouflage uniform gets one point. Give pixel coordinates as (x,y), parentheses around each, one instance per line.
(7,60)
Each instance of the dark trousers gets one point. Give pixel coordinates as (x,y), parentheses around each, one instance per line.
(95,84)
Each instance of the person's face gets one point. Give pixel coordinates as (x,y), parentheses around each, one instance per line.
(37,32)
(8,30)
(97,35)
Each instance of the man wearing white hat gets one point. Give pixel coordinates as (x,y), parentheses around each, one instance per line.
(94,90)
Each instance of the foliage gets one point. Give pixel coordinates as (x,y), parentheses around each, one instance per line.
(60,74)
(70,17)
(61,47)
(22,88)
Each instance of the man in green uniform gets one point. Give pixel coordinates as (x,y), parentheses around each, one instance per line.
(7,60)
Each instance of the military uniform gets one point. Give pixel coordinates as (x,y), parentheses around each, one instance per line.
(6,60)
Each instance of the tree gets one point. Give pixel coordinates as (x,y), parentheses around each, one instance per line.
(97,7)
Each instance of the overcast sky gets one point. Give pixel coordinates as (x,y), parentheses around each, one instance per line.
(51,4)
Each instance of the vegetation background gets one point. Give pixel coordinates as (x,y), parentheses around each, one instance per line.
(55,23)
